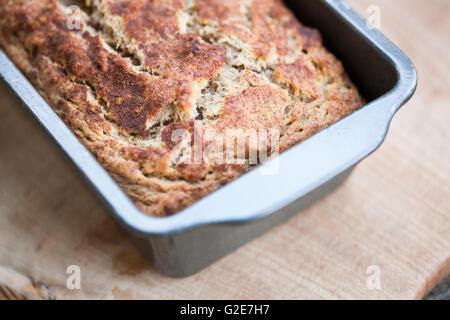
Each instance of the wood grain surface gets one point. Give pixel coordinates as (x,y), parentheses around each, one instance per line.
(393,212)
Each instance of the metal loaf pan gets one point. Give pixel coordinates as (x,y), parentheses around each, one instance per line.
(186,242)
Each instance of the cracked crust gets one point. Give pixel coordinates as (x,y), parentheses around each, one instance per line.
(137,71)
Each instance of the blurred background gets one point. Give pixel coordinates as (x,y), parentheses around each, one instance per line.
(420,28)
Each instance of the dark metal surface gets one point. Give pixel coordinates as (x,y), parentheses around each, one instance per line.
(204,232)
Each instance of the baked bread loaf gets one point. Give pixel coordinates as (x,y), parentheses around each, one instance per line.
(153,87)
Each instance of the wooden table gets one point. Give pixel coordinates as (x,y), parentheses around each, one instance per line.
(393,213)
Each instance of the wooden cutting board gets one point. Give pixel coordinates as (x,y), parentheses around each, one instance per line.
(392,214)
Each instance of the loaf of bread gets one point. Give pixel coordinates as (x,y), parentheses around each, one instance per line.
(157,90)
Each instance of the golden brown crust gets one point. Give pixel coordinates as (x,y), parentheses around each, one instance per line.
(138,72)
